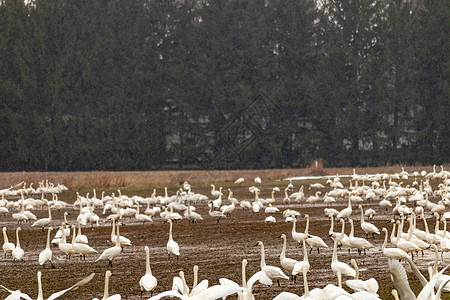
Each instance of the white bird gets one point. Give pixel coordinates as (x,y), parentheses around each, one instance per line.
(141,217)
(248,285)
(366,226)
(46,254)
(112,252)
(148,282)
(239,180)
(359,243)
(123,240)
(346,212)
(81,248)
(297,236)
(258,180)
(44,221)
(312,240)
(301,265)
(214,292)
(81,238)
(8,247)
(215,214)
(106,295)
(337,266)
(358,285)
(18,252)
(40,292)
(216,193)
(286,263)
(274,273)
(172,246)
(392,253)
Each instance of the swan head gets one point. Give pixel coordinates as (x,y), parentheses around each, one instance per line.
(259,243)
(18,229)
(244,262)
(384,229)
(283,236)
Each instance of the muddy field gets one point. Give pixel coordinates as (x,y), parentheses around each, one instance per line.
(218,249)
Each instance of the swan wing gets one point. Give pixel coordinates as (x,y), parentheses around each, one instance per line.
(73,287)
(225,281)
(259,276)
(419,275)
(428,290)
(400,279)
(19,293)
(203,285)
(177,285)
(217,291)
(168,294)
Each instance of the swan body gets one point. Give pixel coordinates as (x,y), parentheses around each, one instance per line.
(274,273)
(313,240)
(44,221)
(358,285)
(392,253)
(302,265)
(46,254)
(147,282)
(17,252)
(367,227)
(215,214)
(8,247)
(172,246)
(357,242)
(122,240)
(286,263)
(346,212)
(341,267)
(112,252)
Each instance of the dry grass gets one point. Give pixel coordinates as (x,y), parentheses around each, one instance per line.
(106,179)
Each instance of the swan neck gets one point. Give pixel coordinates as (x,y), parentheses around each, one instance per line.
(118,236)
(305,253)
(352,228)
(40,293)
(106,292)
(283,250)
(244,279)
(385,240)
(307,225)
(334,258)
(305,283)
(17,238)
(185,289)
(5,237)
(331,226)
(195,278)
(113,231)
(148,270)
(170,231)
(362,215)
(79,228)
(339,276)
(263,257)
(48,238)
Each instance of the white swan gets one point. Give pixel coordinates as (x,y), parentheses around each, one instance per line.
(358,285)
(66,247)
(274,273)
(392,253)
(148,282)
(292,296)
(286,263)
(8,247)
(215,214)
(44,221)
(359,243)
(110,253)
(337,266)
(172,246)
(214,292)
(313,240)
(192,215)
(81,238)
(46,254)
(297,236)
(248,285)
(106,295)
(366,226)
(301,265)
(123,240)
(346,212)
(18,252)
(141,217)
(81,248)
(52,296)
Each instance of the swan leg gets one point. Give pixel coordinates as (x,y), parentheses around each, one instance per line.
(318,250)
(142,292)
(310,250)
(53,266)
(278,281)
(109,263)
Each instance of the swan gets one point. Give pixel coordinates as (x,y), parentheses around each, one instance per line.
(18,252)
(313,240)
(358,285)
(287,263)
(192,215)
(147,282)
(291,296)
(141,217)
(214,292)
(66,230)
(123,240)
(46,254)
(337,266)
(301,265)
(248,285)
(216,193)
(434,270)
(20,216)
(8,247)
(106,291)
(44,221)
(172,246)
(215,214)
(366,226)
(228,209)
(177,284)
(239,180)
(112,252)
(274,273)
(406,245)
(346,212)
(392,253)
(430,237)
(357,242)
(81,248)
(66,247)
(315,198)
(52,296)
(297,236)
(81,238)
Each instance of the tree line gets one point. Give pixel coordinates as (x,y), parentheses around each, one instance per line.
(226,84)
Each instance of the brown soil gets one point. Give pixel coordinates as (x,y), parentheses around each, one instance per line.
(218,250)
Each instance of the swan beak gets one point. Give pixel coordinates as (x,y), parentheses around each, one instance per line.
(279,236)
(257,244)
